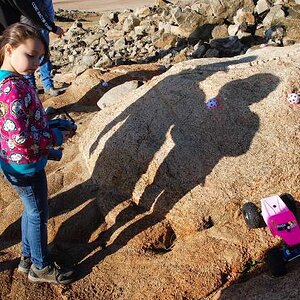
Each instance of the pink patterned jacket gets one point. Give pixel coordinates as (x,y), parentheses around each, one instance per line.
(25,136)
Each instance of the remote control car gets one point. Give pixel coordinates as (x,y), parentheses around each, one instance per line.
(63,124)
(279,213)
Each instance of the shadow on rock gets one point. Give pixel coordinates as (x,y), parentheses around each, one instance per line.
(197,139)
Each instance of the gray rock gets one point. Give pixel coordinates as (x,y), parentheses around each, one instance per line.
(211,53)
(104,61)
(117,93)
(275,13)
(199,51)
(129,23)
(220,31)
(71,58)
(275,34)
(92,38)
(143,12)
(177,16)
(79,69)
(233,29)
(105,21)
(262,6)
(89,60)
(228,46)
(120,44)
(140,30)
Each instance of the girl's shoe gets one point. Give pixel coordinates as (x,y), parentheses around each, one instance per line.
(24,264)
(51,273)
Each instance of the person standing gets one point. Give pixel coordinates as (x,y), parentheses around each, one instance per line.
(40,14)
(45,66)
(25,141)
(12,10)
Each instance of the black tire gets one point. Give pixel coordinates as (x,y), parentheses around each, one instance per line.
(290,202)
(252,215)
(50,110)
(275,262)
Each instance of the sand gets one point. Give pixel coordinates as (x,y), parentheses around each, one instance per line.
(101,5)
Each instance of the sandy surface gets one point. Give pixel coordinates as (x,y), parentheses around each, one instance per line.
(101,5)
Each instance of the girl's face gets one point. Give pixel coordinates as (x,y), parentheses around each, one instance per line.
(25,58)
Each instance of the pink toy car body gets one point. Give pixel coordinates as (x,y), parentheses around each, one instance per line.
(279,213)
(280,220)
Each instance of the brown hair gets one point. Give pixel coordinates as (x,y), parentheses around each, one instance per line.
(16,34)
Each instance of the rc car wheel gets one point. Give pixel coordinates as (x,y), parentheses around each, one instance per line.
(275,262)
(252,215)
(290,202)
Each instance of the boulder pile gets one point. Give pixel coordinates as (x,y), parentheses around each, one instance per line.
(171,33)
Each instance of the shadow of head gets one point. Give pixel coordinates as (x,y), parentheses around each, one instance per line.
(236,124)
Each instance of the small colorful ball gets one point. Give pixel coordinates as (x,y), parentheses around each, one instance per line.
(293,99)
(212,103)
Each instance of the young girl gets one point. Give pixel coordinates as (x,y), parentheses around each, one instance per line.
(25,140)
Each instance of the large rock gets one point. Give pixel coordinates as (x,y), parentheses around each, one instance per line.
(275,13)
(161,157)
(166,139)
(147,199)
(115,94)
(220,10)
(169,104)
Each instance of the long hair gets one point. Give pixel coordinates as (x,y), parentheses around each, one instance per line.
(16,34)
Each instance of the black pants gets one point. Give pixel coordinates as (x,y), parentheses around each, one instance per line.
(8,16)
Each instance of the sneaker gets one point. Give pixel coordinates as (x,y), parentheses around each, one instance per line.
(52,92)
(24,264)
(51,273)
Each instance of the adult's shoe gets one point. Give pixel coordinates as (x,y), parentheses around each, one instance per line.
(52,92)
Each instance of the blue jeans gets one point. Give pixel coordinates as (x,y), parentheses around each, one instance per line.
(33,191)
(45,69)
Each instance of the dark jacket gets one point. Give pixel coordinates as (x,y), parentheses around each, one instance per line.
(11,11)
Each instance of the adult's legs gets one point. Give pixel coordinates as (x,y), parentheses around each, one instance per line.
(46,67)
(32,189)
(45,70)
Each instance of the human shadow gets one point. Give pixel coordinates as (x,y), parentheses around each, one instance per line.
(199,138)
(8,264)
(216,135)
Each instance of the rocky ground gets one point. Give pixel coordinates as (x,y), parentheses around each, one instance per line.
(169,33)
(146,202)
